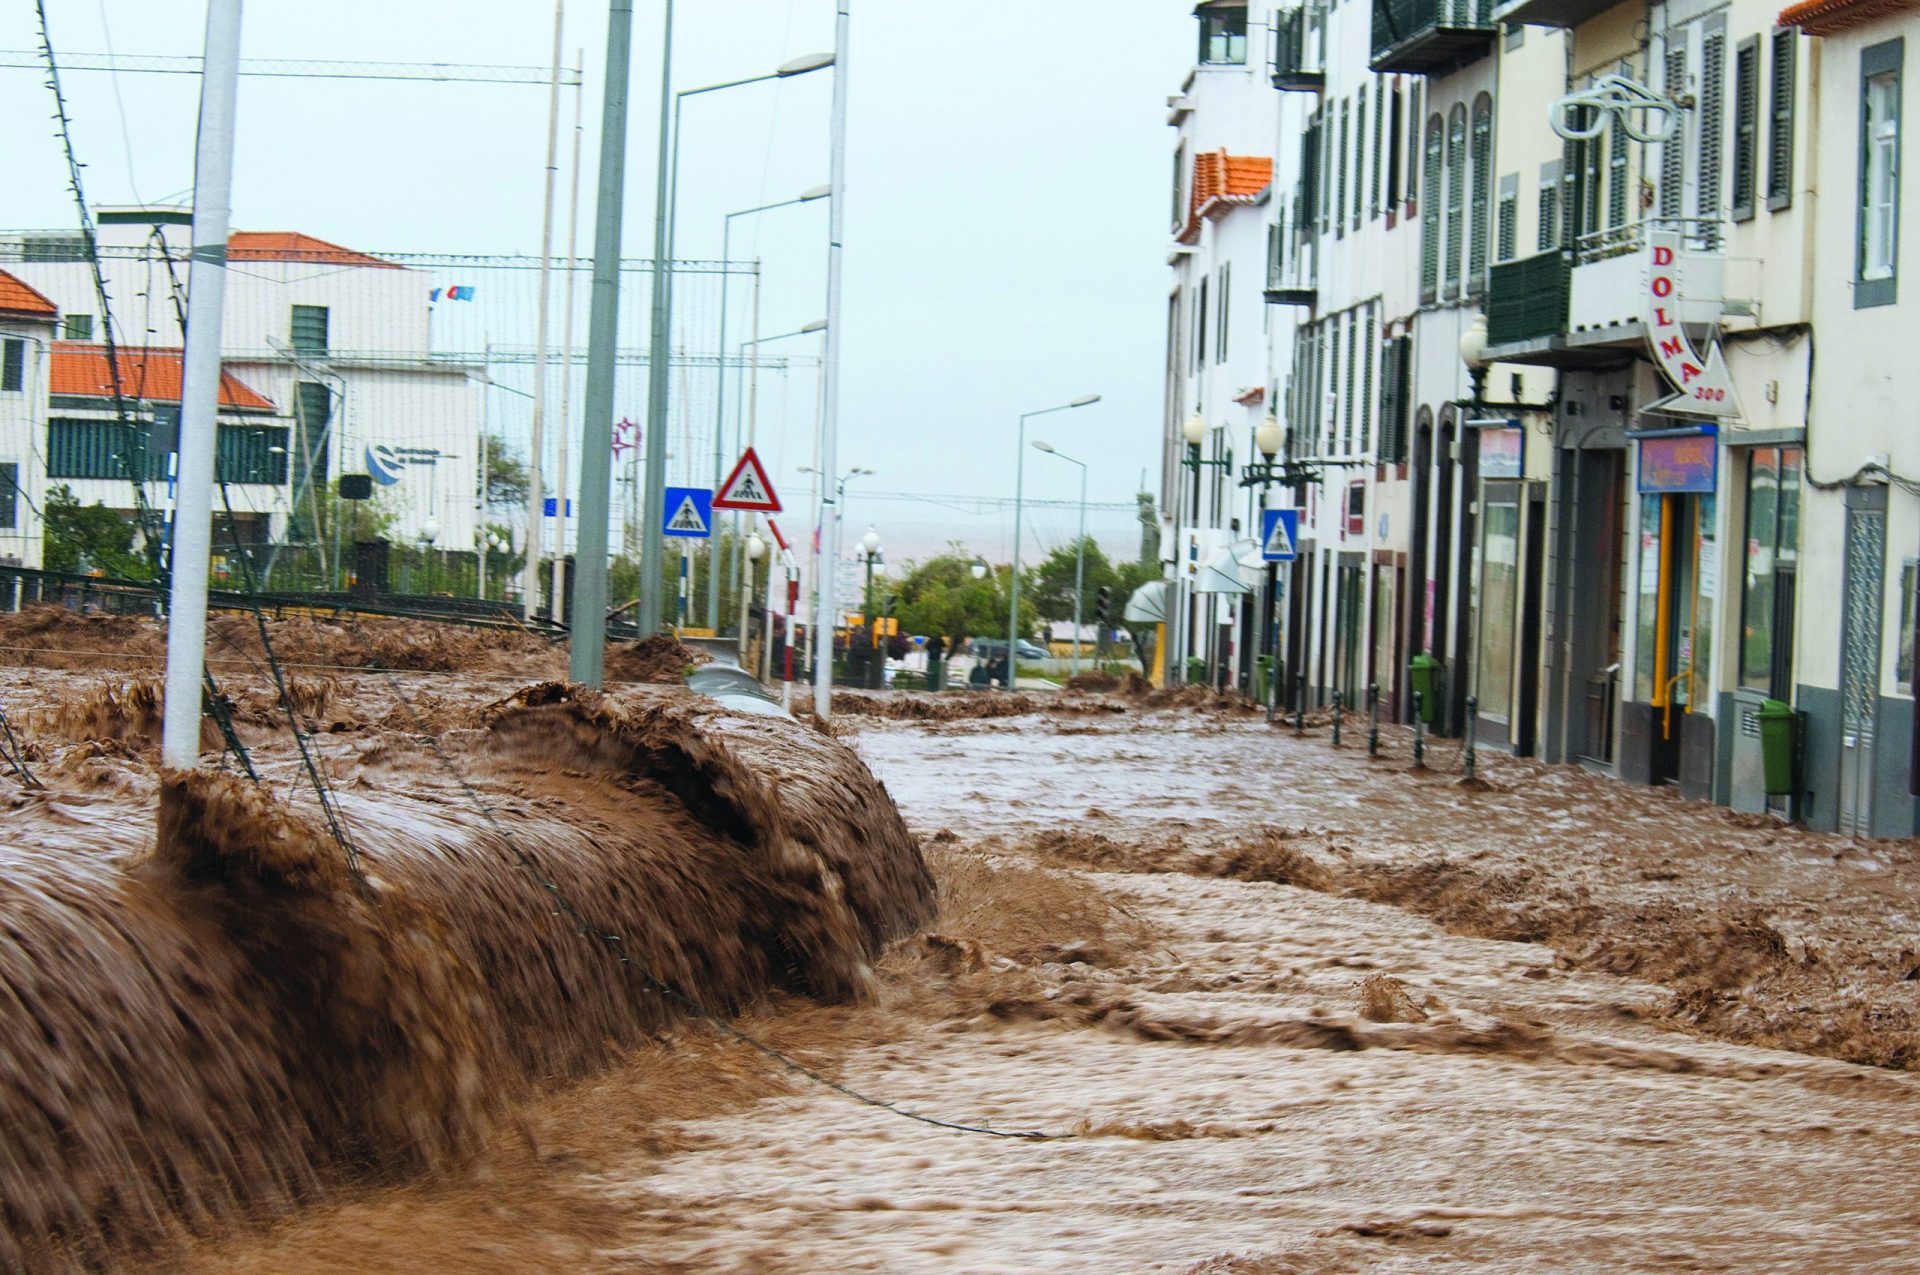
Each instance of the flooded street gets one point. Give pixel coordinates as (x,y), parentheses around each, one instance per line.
(1280,1009)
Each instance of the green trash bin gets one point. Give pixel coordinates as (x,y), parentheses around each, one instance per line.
(1776,745)
(1423,676)
(1262,677)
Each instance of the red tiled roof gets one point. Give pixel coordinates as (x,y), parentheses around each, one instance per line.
(81,371)
(291,245)
(1824,17)
(1222,181)
(17,298)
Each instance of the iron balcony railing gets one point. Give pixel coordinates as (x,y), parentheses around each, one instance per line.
(1527,299)
(1697,234)
(1423,36)
(1297,63)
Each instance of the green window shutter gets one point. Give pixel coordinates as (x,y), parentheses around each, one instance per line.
(1332,424)
(1478,208)
(1456,196)
(1673,154)
(1366,385)
(1353,362)
(1786,50)
(13,365)
(1430,223)
(1746,126)
(1359,157)
(1713,123)
(1616,175)
(1549,206)
(9,495)
(1346,142)
(1507,228)
(1379,149)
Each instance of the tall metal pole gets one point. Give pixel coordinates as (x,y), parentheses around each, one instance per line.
(566,362)
(586,661)
(1079,566)
(200,388)
(719,427)
(536,502)
(652,539)
(830,373)
(1013,591)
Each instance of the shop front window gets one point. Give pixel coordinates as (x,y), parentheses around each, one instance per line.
(1498,597)
(1767,586)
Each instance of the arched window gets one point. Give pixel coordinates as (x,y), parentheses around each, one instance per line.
(1482,201)
(1456,194)
(1430,226)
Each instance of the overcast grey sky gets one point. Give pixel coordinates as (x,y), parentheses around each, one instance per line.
(1006,224)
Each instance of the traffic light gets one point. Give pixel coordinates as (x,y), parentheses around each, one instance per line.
(1100,601)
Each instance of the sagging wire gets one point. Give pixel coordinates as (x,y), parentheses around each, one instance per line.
(612,945)
(151,528)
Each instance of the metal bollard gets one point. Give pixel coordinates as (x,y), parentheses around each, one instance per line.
(1472,705)
(1336,718)
(1300,703)
(1419,735)
(1373,720)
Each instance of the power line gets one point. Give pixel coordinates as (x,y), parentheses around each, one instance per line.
(299,68)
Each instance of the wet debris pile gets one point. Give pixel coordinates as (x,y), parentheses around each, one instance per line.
(661,659)
(225,1017)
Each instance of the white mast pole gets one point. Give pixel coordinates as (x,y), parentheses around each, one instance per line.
(566,364)
(537,447)
(824,611)
(200,387)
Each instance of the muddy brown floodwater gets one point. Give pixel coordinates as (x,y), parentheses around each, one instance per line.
(1291,1009)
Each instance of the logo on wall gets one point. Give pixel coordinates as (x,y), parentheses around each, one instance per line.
(1703,386)
(382,464)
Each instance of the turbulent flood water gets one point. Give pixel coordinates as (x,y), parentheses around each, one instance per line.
(1277,1007)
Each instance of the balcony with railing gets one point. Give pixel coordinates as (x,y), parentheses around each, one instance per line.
(1299,61)
(1550,13)
(1566,307)
(1429,37)
(1292,278)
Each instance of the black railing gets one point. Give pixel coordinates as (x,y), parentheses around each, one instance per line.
(1527,299)
(1425,35)
(1294,67)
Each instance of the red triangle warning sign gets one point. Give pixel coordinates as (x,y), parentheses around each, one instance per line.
(747,488)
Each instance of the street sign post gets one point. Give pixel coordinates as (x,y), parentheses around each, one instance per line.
(687,512)
(747,488)
(1279,534)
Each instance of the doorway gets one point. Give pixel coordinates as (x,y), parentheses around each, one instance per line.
(1860,656)
(1678,584)
(1533,593)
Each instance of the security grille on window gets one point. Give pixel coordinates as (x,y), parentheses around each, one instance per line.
(1223,33)
(1879,233)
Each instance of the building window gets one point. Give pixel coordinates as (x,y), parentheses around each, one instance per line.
(82,448)
(1879,232)
(313,412)
(9,495)
(1359,156)
(1367,343)
(1456,194)
(1392,196)
(1226,288)
(1223,34)
(1712,115)
(1413,147)
(1333,384)
(1346,143)
(13,365)
(1673,154)
(1767,587)
(309,329)
(1746,126)
(1507,219)
(1430,225)
(1353,359)
(1780,121)
(1309,173)
(1179,187)
(1482,194)
(251,454)
(77,327)
(1379,149)
(1549,236)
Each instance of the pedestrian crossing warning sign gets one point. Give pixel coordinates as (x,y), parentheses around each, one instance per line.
(747,488)
(1279,533)
(689,512)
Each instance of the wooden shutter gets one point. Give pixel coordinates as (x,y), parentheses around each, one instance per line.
(1786,49)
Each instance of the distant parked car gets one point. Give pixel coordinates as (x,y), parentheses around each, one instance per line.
(996,648)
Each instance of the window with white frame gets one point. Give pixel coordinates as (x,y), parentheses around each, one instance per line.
(1879,220)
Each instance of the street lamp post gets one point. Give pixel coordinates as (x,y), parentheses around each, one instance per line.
(1019,491)
(653,541)
(1079,546)
(870,555)
(822,599)
(1268,439)
(1194,431)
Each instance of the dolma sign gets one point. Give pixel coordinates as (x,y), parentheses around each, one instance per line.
(1704,387)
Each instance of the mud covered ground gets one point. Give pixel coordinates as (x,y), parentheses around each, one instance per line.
(1292,1009)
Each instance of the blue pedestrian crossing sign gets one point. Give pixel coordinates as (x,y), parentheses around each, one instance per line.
(687,512)
(1279,533)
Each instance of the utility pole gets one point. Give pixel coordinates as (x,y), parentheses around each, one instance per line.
(652,538)
(536,504)
(830,376)
(560,493)
(200,388)
(586,659)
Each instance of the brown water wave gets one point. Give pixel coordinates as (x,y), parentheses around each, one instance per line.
(224,1018)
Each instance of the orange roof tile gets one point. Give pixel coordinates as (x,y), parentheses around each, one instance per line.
(291,245)
(17,298)
(1222,181)
(1824,17)
(81,371)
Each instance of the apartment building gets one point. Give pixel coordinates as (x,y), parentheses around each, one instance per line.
(27,324)
(1849,490)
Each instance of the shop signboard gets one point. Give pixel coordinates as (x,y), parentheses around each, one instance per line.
(1679,464)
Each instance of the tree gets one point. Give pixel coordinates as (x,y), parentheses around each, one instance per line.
(1052,581)
(508,481)
(940,596)
(90,538)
